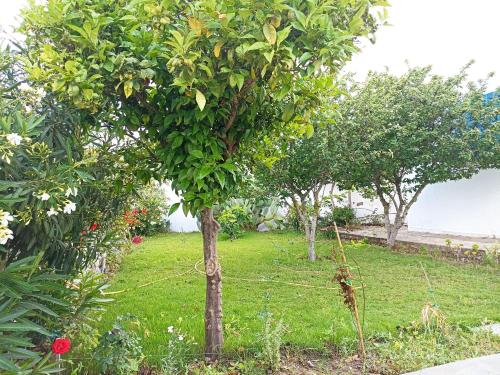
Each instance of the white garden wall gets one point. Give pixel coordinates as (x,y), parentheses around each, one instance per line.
(460,207)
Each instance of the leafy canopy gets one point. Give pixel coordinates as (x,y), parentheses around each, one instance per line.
(199,79)
(415,130)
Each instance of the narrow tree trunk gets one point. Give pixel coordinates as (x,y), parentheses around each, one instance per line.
(392,234)
(214,338)
(387,223)
(311,242)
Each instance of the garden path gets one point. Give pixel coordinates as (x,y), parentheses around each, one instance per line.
(487,365)
(425,238)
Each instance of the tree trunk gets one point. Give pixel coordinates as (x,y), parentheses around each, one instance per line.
(391,236)
(394,229)
(214,338)
(311,240)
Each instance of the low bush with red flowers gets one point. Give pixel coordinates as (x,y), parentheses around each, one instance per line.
(148,213)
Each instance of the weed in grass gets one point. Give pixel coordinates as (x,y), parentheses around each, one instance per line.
(179,351)
(271,338)
(119,351)
(415,347)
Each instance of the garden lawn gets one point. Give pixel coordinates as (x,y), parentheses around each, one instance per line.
(270,271)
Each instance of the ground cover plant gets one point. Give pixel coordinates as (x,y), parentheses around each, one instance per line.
(268,272)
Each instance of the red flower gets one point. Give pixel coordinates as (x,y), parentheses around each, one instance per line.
(93,226)
(136,240)
(84,232)
(61,346)
(144,211)
(135,212)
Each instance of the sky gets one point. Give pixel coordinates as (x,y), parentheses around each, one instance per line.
(443,33)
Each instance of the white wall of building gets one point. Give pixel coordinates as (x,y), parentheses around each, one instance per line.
(469,206)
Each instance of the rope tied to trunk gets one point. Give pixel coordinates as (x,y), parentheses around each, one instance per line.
(211,266)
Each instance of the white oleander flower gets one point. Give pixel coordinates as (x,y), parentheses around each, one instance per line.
(52,212)
(44,197)
(14,139)
(170,329)
(69,208)
(71,191)
(5,217)
(181,337)
(5,235)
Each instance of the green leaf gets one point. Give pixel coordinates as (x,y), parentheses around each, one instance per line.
(221,178)
(196,153)
(309,130)
(232,80)
(288,112)
(173,208)
(257,45)
(200,99)
(240,80)
(269,33)
(229,167)
(283,34)
(269,56)
(204,172)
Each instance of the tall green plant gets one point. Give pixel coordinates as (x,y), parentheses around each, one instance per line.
(27,305)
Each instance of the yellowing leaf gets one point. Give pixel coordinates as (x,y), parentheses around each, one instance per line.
(269,33)
(276,21)
(200,99)
(217,48)
(195,25)
(87,93)
(128,88)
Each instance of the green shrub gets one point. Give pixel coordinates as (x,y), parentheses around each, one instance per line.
(343,216)
(119,351)
(29,304)
(150,208)
(86,303)
(232,221)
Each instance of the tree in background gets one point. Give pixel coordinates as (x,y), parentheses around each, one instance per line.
(401,134)
(299,178)
(193,78)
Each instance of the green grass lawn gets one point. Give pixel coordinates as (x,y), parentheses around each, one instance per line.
(267,269)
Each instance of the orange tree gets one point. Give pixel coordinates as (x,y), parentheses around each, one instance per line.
(202,80)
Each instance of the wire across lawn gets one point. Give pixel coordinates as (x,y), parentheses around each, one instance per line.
(162,283)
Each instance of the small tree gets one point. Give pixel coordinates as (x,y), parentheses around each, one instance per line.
(400,134)
(298,178)
(192,77)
